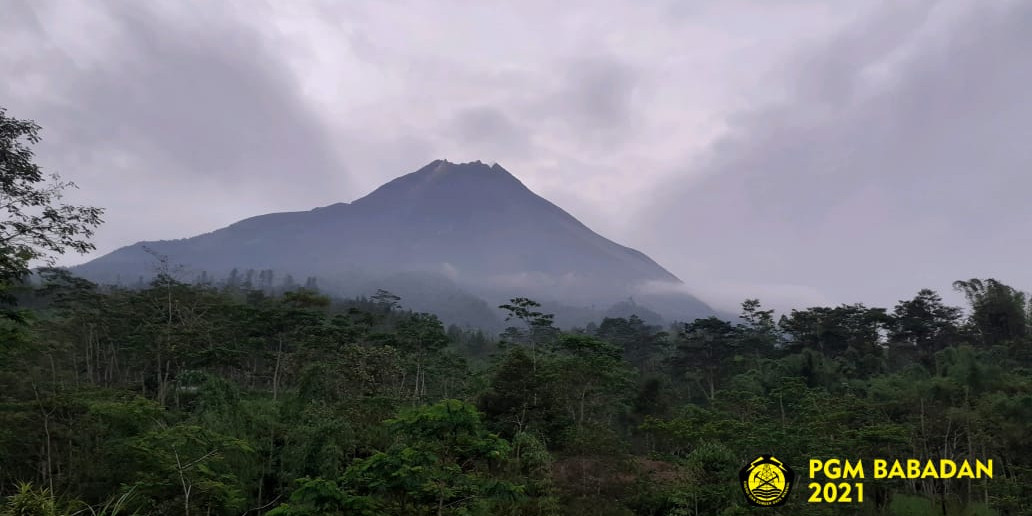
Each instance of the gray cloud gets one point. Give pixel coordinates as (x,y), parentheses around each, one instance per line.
(172,115)
(205,100)
(587,103)
(898,166)
(492,131)
(594,102)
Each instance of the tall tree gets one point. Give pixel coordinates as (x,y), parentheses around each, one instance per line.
(924,324)
(703,347)
(759,332)
(34,223)
(387,299)
(639,342)
(539,329)
(998,312)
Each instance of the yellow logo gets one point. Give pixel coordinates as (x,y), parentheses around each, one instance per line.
(766,481)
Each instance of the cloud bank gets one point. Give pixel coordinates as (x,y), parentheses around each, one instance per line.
(900,161)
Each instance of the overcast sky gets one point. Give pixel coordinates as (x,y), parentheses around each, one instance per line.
(804,152)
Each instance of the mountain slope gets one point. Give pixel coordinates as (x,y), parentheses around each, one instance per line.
(471,224)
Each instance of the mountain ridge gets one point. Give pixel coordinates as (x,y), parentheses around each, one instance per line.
(475,224)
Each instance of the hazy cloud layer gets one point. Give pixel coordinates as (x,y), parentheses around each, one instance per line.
(902,162)
(800,151)
(173,121)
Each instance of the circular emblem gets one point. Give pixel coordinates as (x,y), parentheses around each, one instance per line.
(766,481)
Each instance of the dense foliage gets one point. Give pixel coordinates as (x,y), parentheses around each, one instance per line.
(203,399)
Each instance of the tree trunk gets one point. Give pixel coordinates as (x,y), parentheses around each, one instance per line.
(160,394)
(186,486)
(583,397)
(781,403)
(415,390)
(275,373)
(440,502)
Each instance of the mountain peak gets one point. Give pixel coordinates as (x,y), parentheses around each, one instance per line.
(456,181)
(441,167)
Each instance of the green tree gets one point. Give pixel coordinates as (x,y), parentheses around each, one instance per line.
(420,337)
(34,223)
(185,469)
(758,331)
(524,398)
(387,299)
(538,327)
(594,380)
(998,312)
(923,325)
(642,345)
(851,334)
(444,462)
(702,349)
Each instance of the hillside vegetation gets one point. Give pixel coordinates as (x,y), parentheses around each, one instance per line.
(187,399)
